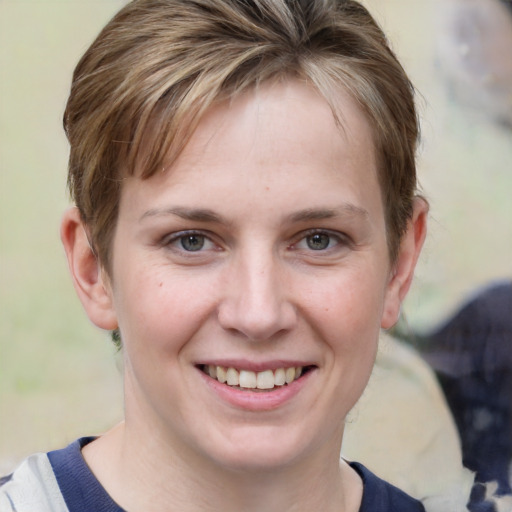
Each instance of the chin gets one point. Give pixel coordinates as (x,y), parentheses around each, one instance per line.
(256,449)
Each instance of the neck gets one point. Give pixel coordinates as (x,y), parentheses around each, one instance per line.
(154,476)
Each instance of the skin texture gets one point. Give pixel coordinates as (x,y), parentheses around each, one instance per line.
(261,176)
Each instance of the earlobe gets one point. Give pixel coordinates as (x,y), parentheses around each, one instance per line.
(89,279)
(409,252)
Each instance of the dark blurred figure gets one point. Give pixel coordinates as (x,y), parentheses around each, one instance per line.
(472,356)
(472,352)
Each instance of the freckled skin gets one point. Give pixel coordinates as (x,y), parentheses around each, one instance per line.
(254,298)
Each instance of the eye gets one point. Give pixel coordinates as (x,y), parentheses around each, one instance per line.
(192,242)
(189,241)
(318,241)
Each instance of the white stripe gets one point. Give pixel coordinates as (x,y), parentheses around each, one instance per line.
(32,488)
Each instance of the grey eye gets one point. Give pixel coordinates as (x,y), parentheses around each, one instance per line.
(192,242)
(318,241)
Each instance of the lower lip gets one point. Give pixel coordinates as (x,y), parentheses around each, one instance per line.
(257,400)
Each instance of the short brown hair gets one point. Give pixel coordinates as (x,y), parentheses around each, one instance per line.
(159,64)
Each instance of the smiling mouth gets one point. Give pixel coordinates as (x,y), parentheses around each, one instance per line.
(256,381)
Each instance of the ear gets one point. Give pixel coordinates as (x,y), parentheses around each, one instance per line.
(403,270)
(90,280)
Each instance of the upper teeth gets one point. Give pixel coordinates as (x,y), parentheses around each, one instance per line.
(266,379)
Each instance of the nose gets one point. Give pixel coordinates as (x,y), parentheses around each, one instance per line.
(255,301)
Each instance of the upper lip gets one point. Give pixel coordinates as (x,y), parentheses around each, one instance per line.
(255,366)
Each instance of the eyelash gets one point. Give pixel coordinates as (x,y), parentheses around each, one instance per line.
(339,239)
(174,239)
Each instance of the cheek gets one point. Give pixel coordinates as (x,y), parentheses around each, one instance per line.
(351,301)
(160,309)
(347,316)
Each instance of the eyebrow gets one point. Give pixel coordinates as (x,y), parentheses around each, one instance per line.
(194,214)
(345,210)
(308,214)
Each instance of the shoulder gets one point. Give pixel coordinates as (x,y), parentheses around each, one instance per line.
(32,488)
(79,486)
(59,481)
(380,496)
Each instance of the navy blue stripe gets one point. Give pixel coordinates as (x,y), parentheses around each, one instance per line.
(82,492)
(80,489)
(378,495)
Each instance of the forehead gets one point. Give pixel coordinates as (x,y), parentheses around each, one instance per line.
(274,116)
(280,135)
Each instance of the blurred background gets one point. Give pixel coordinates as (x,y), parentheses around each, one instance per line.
(59,377)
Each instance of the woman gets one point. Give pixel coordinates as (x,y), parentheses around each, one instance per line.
(245,224)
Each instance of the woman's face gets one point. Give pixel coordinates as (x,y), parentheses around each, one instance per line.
(261,250)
